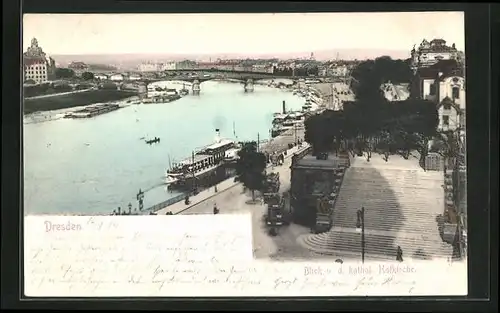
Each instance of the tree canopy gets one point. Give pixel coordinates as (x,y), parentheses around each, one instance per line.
(300,71)
(250,167)
(410,124)
(64,73)
(369,75)
(371,121)
(88,76)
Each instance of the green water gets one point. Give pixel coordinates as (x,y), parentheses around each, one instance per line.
(95,165)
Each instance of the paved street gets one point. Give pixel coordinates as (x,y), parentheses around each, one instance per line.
(334,94)
(230,197)
(225,190)
(281,142)
(234,200)
(58,94)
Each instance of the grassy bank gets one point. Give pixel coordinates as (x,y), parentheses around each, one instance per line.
(74,100)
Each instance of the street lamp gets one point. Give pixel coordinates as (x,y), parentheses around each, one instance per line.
(295,133)
(360,227)
(140,198)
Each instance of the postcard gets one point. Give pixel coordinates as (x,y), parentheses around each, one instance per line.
(312,154)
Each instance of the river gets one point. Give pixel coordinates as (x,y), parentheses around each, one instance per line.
(92,166)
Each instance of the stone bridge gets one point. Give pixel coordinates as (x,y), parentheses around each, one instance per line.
(197,76)
(205,75)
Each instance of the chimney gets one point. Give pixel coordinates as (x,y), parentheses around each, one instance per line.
(217,135)
(284,107)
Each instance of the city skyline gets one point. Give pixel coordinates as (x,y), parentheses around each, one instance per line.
(207,34)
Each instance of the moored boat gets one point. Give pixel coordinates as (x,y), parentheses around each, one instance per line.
(205,161)
(93,110)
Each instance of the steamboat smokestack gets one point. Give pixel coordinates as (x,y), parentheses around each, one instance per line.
(284,107)
(217,135)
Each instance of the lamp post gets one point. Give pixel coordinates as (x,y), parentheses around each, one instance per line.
(140,198)
(360,225)
(295,133)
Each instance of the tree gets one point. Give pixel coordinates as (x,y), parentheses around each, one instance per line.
(424,125)
(392,126)
(250,167)
(88,76)
(318,133)
(371,120)
(312,70)
(385,144)
(448,144)
(369,75)
(62,73)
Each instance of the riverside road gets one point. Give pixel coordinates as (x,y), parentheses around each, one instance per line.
(233,201)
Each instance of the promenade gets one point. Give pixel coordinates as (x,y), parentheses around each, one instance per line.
(233,200)
(280,143)
(58,94)
(401,201)
(334,94)
(326,91)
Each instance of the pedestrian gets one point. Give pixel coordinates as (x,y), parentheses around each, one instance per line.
(215,188)
(399,254)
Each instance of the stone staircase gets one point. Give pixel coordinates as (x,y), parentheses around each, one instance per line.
(401,203)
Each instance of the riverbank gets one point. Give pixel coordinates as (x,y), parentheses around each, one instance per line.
(334,94)
(71,100)
(105,160)
(326,92)
(284,144)
(224,186)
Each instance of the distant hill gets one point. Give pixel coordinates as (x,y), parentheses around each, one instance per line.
(131,60)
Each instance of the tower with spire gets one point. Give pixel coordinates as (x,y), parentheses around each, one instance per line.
(38,67)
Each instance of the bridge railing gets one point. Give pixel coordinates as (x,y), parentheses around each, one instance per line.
(171,201)
(166,203)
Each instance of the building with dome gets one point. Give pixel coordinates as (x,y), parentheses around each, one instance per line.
(429,53)
(37,66)
(440,77)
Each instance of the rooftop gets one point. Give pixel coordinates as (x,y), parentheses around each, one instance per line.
(195,159)
(219,144)
(77,65)
(447,67)
(31,60)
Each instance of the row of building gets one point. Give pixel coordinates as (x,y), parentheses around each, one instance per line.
(440,77)
(37,65)
(186,65)
(40,68)
(272,66)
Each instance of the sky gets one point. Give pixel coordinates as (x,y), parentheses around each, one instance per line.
(238,33)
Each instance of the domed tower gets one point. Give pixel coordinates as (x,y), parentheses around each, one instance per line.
(425,44)
(34,50)
(37,66)
(414,59)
